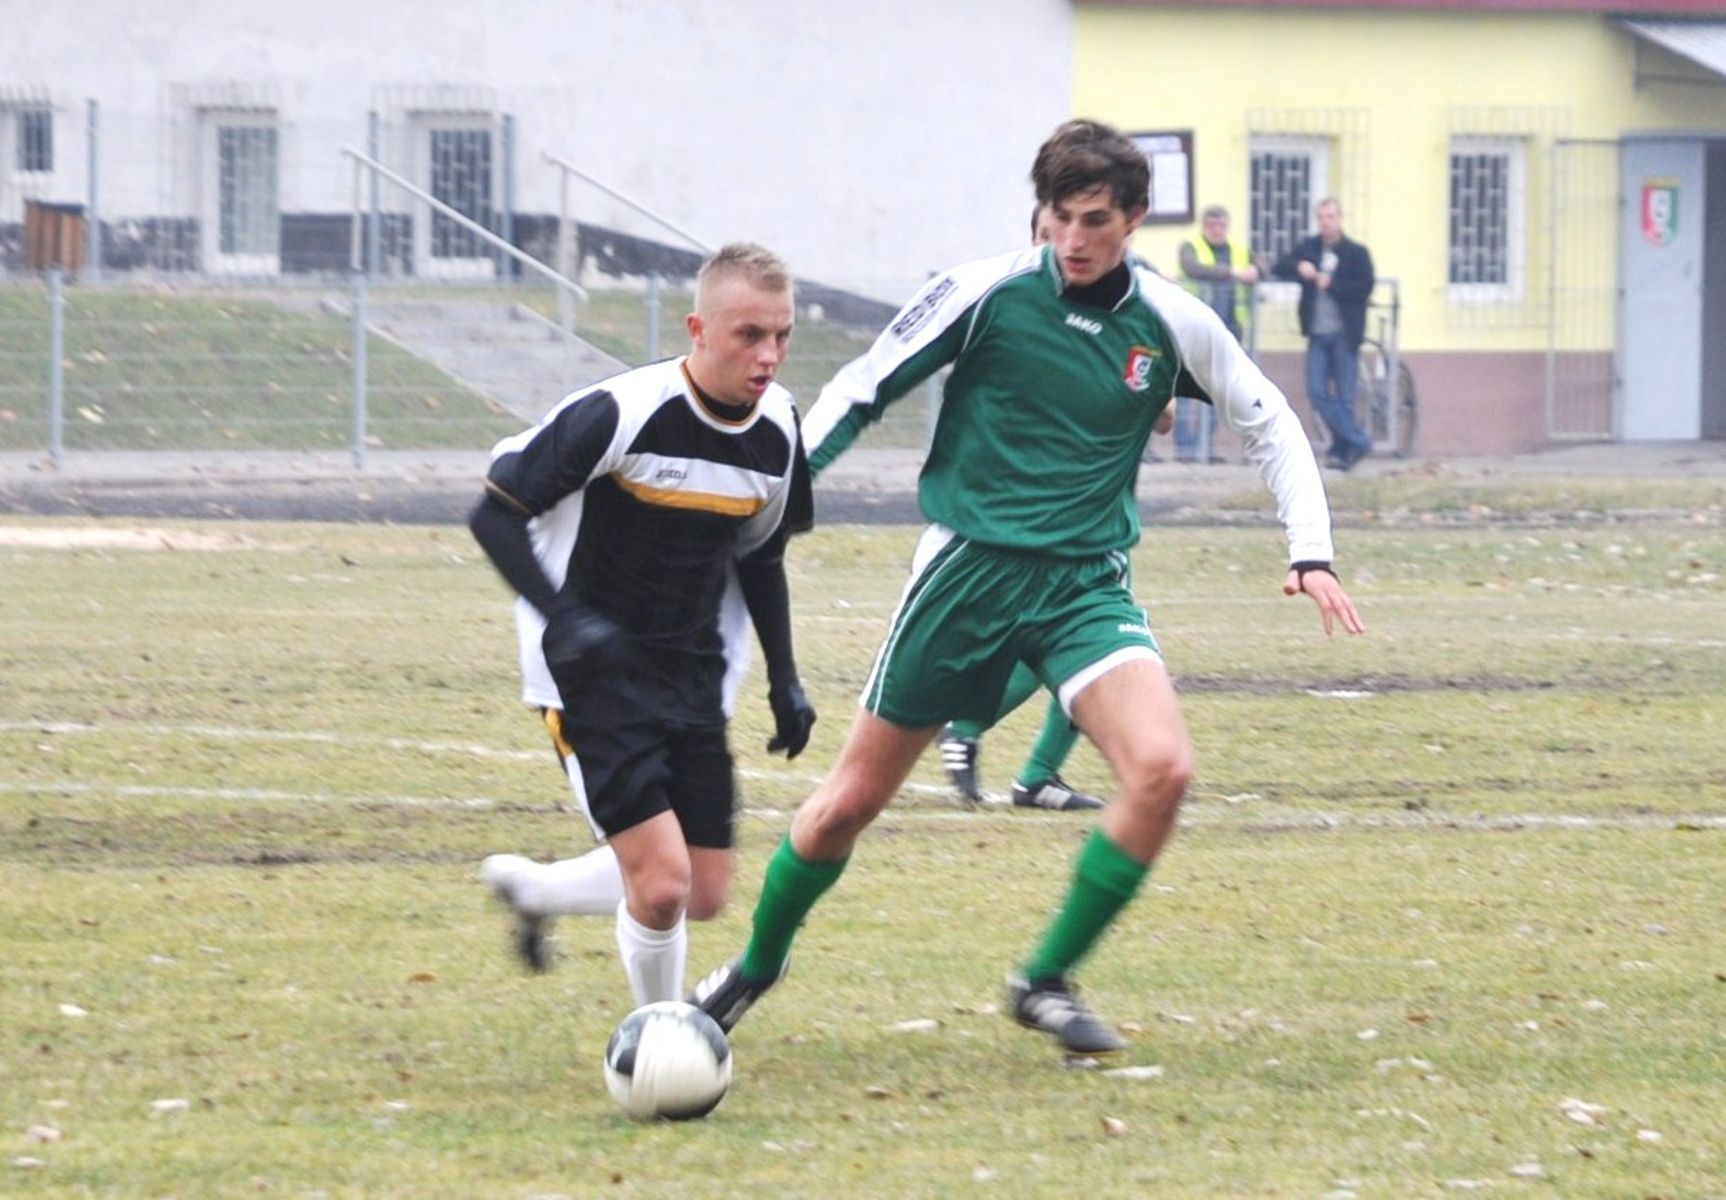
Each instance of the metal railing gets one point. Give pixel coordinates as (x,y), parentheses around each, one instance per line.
(365,220)
(566,245)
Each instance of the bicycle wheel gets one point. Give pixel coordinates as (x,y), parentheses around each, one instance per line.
(1370,394)
(1375,397)
(1407,411)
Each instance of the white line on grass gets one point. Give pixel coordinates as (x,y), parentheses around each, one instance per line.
(910,787)
(324,738)
(1284,820)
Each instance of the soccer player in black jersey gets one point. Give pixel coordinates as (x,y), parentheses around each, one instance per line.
(620,521)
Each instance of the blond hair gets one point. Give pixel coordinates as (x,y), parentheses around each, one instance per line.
(743,260)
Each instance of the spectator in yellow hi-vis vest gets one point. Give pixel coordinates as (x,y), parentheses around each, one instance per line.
(1215,267)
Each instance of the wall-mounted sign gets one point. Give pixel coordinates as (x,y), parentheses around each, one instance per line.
(1170,153)
(1660,210)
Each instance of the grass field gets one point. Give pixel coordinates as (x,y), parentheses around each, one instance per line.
(152,370)
(1444,915)
(191,371)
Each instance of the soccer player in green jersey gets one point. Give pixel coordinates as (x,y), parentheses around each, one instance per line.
(1062,356)
(1039,783)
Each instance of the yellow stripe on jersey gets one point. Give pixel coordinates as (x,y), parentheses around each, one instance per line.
(729,506)
(554,725)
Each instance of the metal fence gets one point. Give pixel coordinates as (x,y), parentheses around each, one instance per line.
(256,290)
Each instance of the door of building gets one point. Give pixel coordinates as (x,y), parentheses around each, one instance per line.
(1664,250)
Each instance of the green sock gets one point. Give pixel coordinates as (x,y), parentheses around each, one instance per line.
(789,890)
(1053,744)
(968,729)
(1104,879)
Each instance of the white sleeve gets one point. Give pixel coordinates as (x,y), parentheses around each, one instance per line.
(1254,408)
(929,332)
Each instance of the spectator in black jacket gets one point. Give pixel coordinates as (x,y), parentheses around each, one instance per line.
(1336,278)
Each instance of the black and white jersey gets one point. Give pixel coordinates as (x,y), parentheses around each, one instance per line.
(642,492)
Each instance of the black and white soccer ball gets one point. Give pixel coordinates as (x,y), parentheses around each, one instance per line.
(668,1060)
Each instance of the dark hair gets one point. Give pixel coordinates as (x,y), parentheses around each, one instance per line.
(1082,155)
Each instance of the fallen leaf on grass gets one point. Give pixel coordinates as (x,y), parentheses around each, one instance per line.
(73,1011)
(1528,1170)
(173,1105)
(1147,1072)
(1114,1127)
(42,1133)
(1650,1135)
(1581,1111)
(916,1025)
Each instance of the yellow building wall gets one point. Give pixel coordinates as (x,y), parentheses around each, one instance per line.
(1412,79)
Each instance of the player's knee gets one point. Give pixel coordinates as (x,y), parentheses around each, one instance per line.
(846,810)
(1159,772)
(660,897)
(705,903)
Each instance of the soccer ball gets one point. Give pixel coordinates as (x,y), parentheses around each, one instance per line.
(668,1060)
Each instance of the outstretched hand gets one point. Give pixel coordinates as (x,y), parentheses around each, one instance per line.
(1334,606)
(793,718)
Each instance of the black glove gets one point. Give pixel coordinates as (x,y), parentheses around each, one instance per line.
(793,718)
(575,635)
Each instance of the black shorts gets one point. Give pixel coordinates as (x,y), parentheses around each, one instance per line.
(629,762)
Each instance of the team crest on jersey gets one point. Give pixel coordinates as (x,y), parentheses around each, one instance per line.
(1140,362)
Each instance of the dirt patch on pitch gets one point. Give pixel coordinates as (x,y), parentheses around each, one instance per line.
(33,537)
(1361,686)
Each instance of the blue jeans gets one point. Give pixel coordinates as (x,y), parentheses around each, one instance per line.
(1332,374)
(1195,429)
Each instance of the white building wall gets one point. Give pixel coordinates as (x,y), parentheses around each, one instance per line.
(867,142)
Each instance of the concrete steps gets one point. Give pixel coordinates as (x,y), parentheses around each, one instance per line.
(497,347)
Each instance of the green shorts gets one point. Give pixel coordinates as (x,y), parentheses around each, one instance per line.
(970,613)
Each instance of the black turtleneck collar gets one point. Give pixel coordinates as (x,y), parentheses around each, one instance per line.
(1105,292)
(725,412)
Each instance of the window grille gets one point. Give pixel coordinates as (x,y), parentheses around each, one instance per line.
(35,139)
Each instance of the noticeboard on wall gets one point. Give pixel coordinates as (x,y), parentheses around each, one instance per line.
(1170,153)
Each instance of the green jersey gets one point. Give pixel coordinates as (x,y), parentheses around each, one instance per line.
(1049,403)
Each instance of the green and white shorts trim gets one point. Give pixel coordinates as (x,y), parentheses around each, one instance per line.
(970,613)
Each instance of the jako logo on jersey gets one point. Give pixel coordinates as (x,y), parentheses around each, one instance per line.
(1085,323)
(917,316)
(670,473)
(1123,627)
(1140,360)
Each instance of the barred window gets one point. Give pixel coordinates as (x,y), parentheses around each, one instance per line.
(35,139)
(1486,216)
(1288,176)
(247,171)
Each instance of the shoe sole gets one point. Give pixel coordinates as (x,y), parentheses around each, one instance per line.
(1065,1048)
(1033,806)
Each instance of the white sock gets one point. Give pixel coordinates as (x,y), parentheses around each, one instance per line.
(652,958)
(588,886)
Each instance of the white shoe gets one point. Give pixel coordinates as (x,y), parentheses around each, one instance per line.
(503,874)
